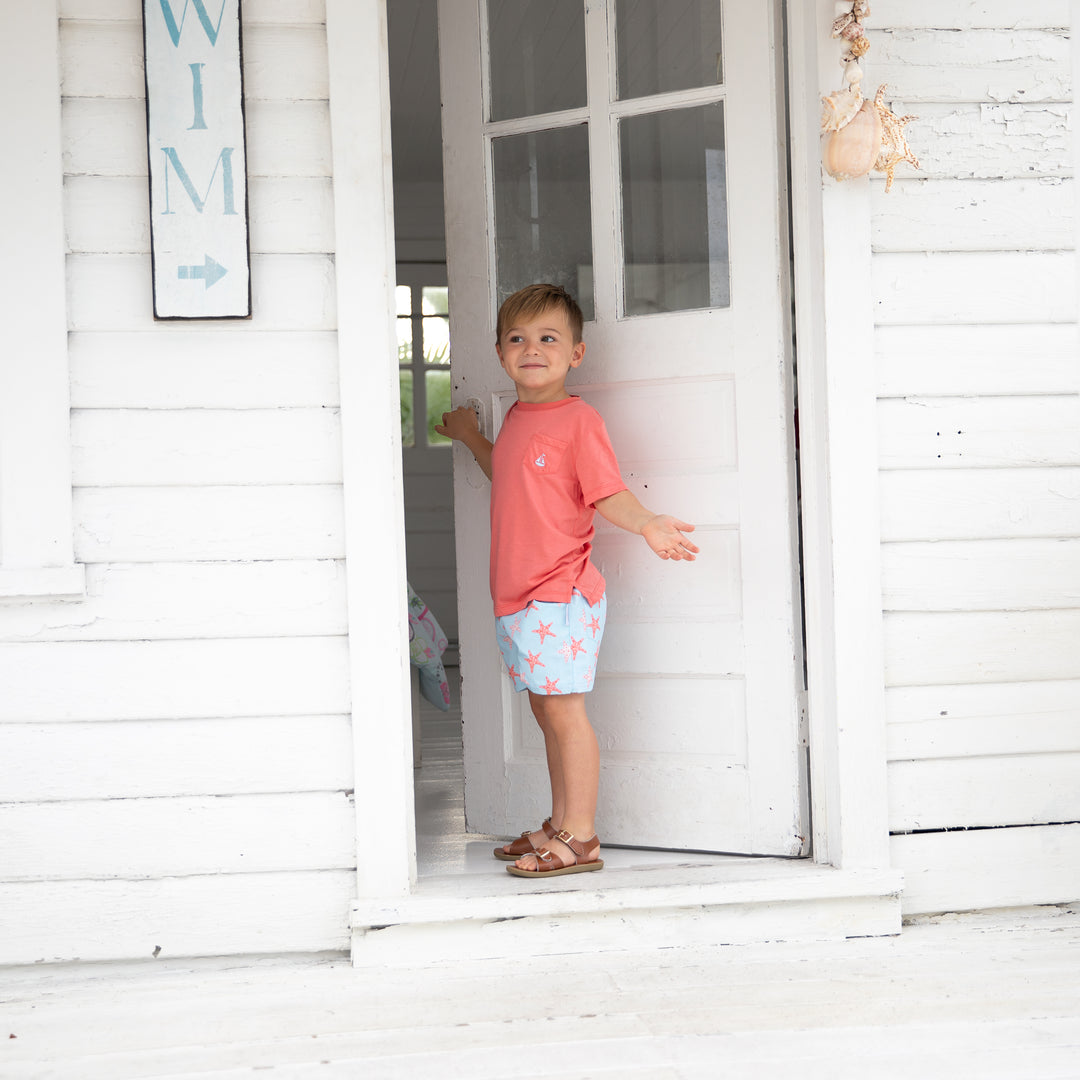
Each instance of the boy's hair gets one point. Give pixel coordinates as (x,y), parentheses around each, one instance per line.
(526,304)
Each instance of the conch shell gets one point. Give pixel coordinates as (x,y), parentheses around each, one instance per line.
(839,108)
(852,150)
(894,147)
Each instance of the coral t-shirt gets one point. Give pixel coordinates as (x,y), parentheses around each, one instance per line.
(550,464)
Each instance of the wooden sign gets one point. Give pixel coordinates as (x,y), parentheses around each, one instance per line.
(198,165)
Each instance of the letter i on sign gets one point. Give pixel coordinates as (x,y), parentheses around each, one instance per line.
(198,159)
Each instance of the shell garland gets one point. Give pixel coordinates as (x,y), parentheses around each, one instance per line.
(846,154)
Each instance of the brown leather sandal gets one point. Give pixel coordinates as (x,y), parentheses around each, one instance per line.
(585,856)
(523,846)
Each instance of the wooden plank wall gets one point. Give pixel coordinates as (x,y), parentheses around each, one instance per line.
(176,750)
(975,285)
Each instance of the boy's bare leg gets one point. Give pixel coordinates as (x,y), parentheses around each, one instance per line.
(574,764)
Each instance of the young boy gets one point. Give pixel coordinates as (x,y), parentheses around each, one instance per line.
(551,466)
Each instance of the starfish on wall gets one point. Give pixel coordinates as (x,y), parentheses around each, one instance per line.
(894,147)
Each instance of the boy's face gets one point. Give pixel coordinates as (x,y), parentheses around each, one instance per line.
(539,354)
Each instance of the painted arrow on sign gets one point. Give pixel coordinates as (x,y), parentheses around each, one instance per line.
(211,272)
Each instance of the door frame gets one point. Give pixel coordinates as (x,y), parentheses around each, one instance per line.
(837,412)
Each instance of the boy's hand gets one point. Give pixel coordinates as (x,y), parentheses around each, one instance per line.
(664,534)
(462,425)
(458,424)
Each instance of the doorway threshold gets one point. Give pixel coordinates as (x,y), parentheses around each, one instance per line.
(465,905)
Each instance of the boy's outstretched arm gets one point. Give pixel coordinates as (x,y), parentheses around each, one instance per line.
(461,425)
(662,532)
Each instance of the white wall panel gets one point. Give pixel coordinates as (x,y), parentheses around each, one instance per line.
(160,600)
(178,367)
(203,447)
(975,359)
(981,646)
(138,759)
(973,215)
(177,836)
(206,915)
(208,524)
(150,680)
(926,722)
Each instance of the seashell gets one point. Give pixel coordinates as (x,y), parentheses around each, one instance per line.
(853,72)
(861,10)
(852,151)
(842,23)
(860,46)
(852,31)
(839,108)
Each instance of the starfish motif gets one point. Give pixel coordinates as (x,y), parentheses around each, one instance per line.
(587,677)
(515,626)
(514,674)
(545,631)
(534,661)
(894,147)
(594,625)
(551,686)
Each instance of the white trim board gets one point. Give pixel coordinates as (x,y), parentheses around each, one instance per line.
(371,446)
(36,539)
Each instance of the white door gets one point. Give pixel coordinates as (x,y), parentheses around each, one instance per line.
(629,150)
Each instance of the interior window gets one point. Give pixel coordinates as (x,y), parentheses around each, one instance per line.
(423,334)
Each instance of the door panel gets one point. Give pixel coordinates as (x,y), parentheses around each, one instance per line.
(669,232)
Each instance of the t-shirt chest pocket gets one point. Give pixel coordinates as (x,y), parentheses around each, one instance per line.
(545,456)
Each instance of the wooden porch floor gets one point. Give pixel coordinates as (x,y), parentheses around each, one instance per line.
(989,995)
(986,995)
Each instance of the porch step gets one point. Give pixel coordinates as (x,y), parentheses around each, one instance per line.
(726,901)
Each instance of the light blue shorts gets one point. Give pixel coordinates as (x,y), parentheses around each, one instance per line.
(552,648)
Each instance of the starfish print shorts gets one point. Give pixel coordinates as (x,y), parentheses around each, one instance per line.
(552,648)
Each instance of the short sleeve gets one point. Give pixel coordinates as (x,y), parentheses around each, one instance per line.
(597,467)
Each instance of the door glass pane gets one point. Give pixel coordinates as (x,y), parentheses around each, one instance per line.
(674,210)
(543,230)
(405,397)
(667,45)
(537,52)
(435,300)
(436,340)
(437,382)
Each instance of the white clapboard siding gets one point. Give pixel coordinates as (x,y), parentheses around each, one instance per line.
(986,140)
(974,215)
(987,868)
(289,292)
(297,12)
(976,792)
(111,215)
(156,601)
(208,524)
(976,14)
(150,680)
(190,366)
(107,137)
(975,287)
(922,649)
(979,504)
(990,718)
(981,575)
(211,915)
(981,65)
(964,359)
(104,59)
(950,432)
(179,836)
(136,759)
(196,447)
